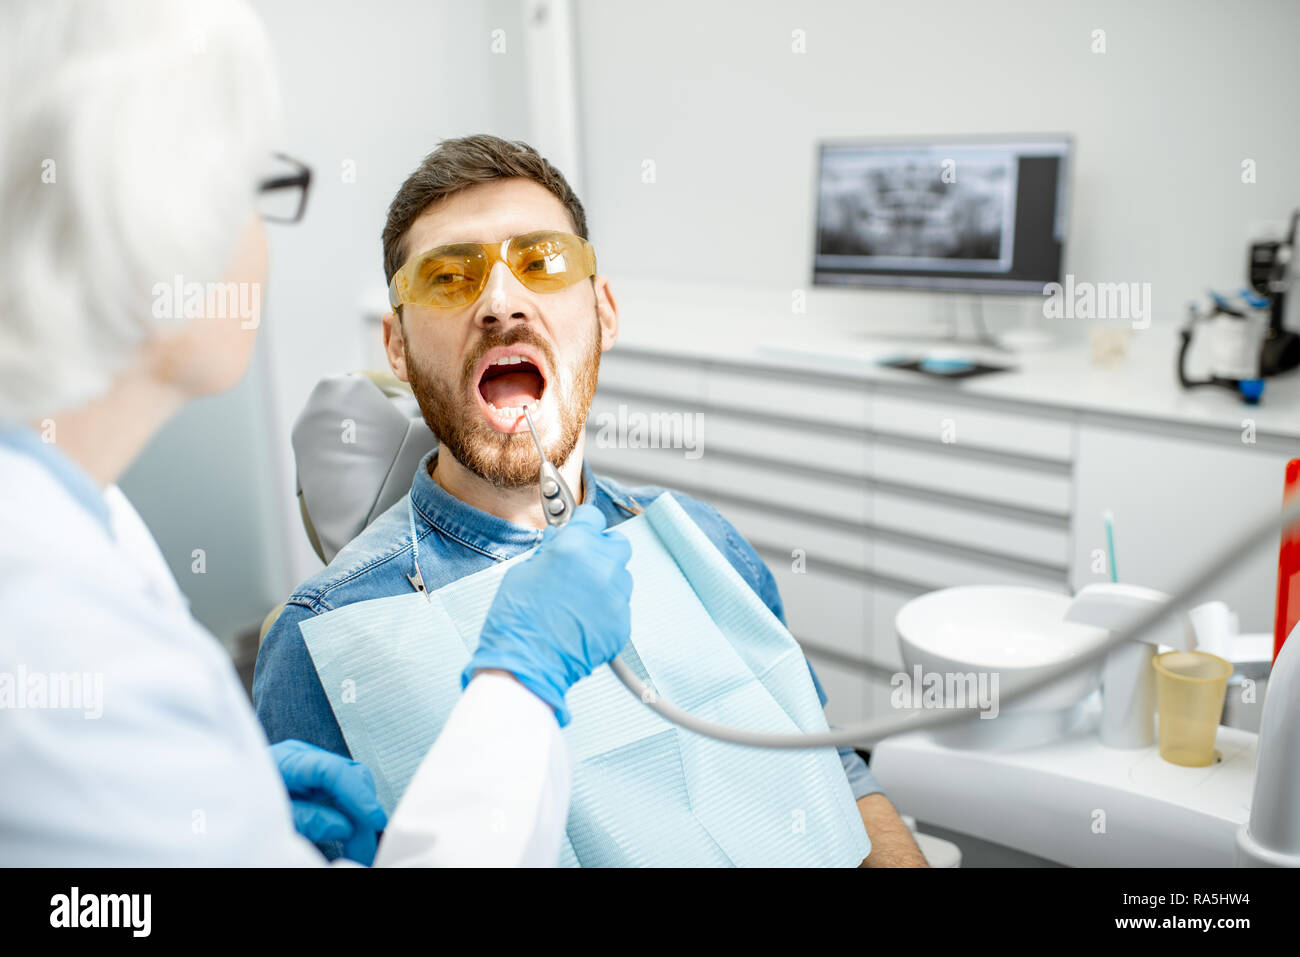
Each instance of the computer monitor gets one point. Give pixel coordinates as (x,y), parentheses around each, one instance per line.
(975,214)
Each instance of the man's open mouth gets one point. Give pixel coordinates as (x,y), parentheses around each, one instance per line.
(511,378)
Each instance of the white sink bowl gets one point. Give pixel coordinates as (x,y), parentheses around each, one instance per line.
(1012,633)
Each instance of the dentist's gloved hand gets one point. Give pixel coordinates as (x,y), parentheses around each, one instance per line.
(562,612)
(333,798)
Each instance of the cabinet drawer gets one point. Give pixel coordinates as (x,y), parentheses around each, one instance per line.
(670,422)
(760,392)
(969,527)
(932,569)
(975,427)
(782,534)
(883,638)
(849,693)
(837,499)
(678,379)
(830,611)
(666,467)
(940,471)
(646,424)
(847,452)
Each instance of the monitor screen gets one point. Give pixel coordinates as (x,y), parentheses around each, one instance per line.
(977,215)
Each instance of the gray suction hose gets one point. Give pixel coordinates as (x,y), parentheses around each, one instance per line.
(871,731)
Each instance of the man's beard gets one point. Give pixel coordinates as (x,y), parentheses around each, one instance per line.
(506,460)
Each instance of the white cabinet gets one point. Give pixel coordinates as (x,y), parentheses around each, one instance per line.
(647,374)
(821,400)
(1045,489)
(954,420)
(825,609)
(877,492)
(1176,502)
(887,601)
(848,697)
(857,498)
(966,524)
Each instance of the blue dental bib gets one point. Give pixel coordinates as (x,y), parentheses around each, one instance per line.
(645,792)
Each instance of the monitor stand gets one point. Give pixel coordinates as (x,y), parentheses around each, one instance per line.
(1027,338)
(951,332)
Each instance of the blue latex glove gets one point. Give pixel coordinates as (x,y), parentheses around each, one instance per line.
(333,798)
(561,612)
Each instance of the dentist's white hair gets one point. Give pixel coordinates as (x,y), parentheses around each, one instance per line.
(132,137)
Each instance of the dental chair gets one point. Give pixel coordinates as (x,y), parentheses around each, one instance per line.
(357,444)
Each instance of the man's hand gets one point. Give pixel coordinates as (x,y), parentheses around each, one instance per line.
(892,844)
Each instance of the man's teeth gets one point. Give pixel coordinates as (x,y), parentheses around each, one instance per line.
(508,361)
(512,411)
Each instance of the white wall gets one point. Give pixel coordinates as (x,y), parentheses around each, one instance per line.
(377,84)
(204,487)
(713,94)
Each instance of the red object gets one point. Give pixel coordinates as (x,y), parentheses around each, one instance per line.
(1288,568)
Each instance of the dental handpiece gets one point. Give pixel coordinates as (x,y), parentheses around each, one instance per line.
(557,501)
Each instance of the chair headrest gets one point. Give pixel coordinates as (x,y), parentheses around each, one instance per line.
(357,444)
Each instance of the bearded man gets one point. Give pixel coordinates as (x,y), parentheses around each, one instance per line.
(497,306)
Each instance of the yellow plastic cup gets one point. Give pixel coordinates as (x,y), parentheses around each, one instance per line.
(1190,688)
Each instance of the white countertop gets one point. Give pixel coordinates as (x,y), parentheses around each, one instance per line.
(846,333)
(1042,800)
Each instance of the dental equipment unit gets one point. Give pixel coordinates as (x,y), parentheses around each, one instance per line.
(1127,615)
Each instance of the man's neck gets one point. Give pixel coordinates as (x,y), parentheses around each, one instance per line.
(522,506)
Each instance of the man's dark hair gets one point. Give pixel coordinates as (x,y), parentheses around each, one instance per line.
(459,164)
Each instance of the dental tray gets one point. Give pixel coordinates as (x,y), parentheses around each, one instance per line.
(964,371)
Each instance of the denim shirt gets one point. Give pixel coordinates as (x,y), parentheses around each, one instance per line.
(455,540)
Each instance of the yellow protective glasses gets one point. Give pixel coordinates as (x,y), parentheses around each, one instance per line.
(453,276)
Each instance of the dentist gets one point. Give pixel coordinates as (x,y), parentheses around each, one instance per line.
(136,144)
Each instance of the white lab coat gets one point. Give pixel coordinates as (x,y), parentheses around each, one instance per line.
(175,770)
